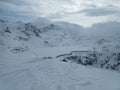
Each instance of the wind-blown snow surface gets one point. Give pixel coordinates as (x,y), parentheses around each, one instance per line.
(28,57)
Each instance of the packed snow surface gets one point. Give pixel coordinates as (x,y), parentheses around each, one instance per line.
(52,74)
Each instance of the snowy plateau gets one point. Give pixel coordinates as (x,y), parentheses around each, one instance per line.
(56,55)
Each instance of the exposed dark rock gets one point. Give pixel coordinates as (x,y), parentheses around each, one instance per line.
(93,58)
(31,30)
(7,30)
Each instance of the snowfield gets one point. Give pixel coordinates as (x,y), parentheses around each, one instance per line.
(52,74)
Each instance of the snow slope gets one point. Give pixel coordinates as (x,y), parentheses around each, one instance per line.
(51,74)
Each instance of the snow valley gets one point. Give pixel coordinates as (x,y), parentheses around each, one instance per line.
(56,55)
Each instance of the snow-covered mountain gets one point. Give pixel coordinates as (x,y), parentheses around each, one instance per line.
(17,37)
(36,56)
(46,33)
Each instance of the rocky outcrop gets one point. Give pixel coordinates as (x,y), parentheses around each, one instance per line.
(93,58)
(31,30)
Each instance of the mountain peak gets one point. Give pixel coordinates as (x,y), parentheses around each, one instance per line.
(41,22)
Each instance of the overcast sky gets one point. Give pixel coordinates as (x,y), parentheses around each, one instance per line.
(83,12)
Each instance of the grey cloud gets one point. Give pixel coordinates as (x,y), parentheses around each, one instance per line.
(16,9)
(100,11)
(33,8)
(54,9)
(104,29)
